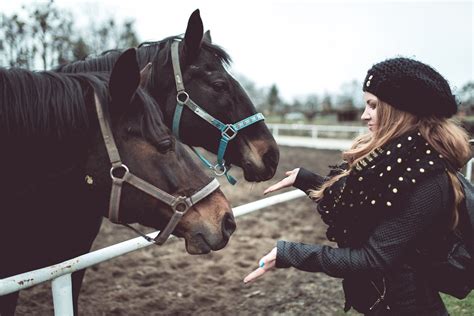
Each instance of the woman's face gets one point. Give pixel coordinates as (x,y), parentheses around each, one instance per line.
(370,113)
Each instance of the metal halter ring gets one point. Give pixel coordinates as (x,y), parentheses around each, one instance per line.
(219,170)
(179,205)
(228,128)
(115,168)
(180,93)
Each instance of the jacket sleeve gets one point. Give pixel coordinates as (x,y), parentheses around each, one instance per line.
(306,180)
(385,246)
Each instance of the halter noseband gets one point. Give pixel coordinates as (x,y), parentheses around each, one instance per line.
(180,205)
(228,131)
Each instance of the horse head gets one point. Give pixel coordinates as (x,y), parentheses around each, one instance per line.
(209,85)
(148,153)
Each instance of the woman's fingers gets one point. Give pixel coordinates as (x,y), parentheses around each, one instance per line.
(254,274)
(286,182)
(277,186)
(266,263)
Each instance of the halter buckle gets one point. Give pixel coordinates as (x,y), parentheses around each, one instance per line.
(179,205)
(118,178)
(227,129)
(181,94)
(219,169)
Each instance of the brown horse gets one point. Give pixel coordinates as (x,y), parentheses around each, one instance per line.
(60,135)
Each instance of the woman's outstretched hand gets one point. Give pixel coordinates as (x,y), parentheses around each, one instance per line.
(286,182)
(266,263)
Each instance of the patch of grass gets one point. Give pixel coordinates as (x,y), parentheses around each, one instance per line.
(457,307)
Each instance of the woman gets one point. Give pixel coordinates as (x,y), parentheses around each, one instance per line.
(395,192)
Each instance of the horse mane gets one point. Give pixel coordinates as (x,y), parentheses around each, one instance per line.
(146,52)
(48,103)
(42,103)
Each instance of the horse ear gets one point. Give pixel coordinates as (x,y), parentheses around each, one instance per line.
(145,74)
(124,80)
(193,36)
(207,36)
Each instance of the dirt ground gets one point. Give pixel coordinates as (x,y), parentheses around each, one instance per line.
(168,281)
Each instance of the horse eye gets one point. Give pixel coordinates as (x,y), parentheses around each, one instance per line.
(164,145)
(219,86)
(134,131)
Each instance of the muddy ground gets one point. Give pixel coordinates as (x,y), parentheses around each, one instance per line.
(167,281)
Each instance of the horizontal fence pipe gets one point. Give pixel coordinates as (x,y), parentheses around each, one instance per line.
(272,200)
(28,279)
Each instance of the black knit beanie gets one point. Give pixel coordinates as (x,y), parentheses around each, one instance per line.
(411,86)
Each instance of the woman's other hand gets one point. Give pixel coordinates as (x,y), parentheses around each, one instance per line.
(286,182)
(265,264)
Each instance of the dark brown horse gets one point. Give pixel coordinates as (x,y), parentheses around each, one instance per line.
(57,177)
(212,88)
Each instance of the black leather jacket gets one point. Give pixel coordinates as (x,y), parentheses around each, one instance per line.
(421,221)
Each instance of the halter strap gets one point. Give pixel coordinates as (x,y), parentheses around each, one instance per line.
(228,131)
(180,205)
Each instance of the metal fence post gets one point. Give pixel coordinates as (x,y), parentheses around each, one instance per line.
(62,296)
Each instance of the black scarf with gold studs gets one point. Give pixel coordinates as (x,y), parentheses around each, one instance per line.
(353,205)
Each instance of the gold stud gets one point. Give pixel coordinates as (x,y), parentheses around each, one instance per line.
(89,180)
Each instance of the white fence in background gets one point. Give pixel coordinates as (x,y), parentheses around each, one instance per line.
(315,131)
(469,164)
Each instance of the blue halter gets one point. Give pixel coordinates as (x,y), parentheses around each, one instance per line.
(228,131)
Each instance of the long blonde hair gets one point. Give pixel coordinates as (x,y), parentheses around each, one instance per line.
(444,135)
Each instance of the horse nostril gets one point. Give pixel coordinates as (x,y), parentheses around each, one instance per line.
(271,157)
(228,225)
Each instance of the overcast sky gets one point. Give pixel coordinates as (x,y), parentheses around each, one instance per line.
(308,46)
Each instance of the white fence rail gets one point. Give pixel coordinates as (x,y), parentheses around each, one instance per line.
(315,131)
(60,274)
